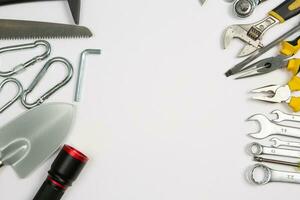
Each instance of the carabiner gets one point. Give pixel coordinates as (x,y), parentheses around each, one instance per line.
(30,62)
(16,97)
(40,76)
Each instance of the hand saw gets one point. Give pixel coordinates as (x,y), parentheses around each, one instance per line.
(73,4)
(21,29)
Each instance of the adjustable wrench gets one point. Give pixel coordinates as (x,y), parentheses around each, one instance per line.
(278,143)
(281,116)
(257,149)
(267,128)
(271,175)
(252,34)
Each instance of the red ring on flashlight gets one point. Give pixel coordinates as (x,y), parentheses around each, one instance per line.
(75,153)
(56,183)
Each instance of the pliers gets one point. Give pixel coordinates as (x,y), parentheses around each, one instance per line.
(267,65)
(281,93)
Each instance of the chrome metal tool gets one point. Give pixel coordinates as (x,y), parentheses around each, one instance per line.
(278,143)
(281,116)
(268,128)
(34,136)
(280,93)
(20,29)
(257,149)
(242,65)
(244,8)
(21,67)
(251,34)
(282,60)
(81,71)
(271,175)
(16,97)
(51,91)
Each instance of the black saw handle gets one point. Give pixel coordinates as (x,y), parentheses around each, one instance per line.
(6,2)
(286,10)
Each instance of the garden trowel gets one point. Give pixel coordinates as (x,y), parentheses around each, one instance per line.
(34,136)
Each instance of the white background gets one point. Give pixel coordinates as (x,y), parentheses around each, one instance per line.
(158,118)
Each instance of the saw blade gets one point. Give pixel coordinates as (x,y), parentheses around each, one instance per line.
(21,29)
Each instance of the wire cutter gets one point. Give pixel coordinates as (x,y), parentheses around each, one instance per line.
(267,65)
(281,93)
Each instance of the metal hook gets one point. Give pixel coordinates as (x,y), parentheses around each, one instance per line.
(16,97)
(30,62)
(40,76)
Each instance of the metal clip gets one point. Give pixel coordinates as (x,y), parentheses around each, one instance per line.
(30,62)
(40,76)
(16,97)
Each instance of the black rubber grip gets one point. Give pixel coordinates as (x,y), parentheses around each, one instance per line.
(295,41)
(287,10)
(48,191)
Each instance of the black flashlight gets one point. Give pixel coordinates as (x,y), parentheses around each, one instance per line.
(64,170)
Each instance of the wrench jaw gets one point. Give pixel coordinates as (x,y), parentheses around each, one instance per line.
(265,127)
(241,32)
(280,116)
(267,174)
(276,142)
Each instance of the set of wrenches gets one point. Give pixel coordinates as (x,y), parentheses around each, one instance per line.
(281,148)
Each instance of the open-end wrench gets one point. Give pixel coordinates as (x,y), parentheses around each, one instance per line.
(257,149)
(271,175)
(252,34)
(267,128)
(278,143)
(281,116)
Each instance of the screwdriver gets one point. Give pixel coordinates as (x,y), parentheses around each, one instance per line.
(279,162)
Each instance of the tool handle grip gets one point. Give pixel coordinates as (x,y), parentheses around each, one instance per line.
(295,104)
(294,66)
(286,10)
(6,2)
(290,48)
(49,191)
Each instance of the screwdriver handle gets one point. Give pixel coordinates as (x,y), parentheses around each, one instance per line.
(294,85)
(290,48)
(294,66)
(286,10)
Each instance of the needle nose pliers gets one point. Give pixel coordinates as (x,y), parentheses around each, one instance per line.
(281,93)
(267,65)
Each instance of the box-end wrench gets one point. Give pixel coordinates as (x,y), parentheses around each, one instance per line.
(271,175)
(267,128)
(278,143)
(257,149)
(281,116)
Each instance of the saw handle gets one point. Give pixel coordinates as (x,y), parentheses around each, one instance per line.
(6,2)
(286,10)
(290,48)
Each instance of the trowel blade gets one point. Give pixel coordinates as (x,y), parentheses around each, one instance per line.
(34,136)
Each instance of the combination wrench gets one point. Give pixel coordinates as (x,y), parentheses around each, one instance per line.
(278,143)
(271,175)
(257,149)
(267,128)
(281,116)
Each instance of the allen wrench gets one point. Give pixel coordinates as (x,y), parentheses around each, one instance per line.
(83,54)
